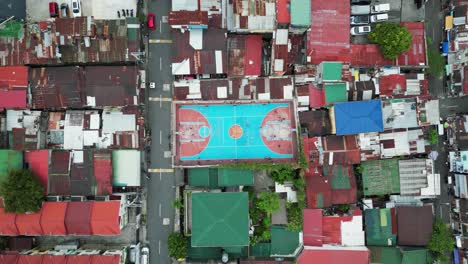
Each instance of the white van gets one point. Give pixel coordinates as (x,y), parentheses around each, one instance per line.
(360,9)
(380,8)
(378,18)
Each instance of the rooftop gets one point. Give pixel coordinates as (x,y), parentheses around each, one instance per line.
(358,117)
(399,113)
(244,55)
(414,225)
(251,17)
(333,255)
(213,225)
(380,177)
(380,227)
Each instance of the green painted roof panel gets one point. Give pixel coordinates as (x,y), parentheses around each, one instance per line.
(300,13)
(235,177)
(385,255)
(415,256)
(380,177)
(283,242)
(260,250)
(220,219)
(335,92)
(331,71)
(9,160)
(379,227)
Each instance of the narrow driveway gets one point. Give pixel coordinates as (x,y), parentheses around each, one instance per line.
(161,184)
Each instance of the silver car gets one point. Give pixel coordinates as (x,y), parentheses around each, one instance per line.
(361,30)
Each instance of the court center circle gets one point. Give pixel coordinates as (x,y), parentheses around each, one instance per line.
(235,131)
(204,131)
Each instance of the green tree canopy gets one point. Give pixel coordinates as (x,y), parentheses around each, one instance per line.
(393,39)
(178,246)
(22,192)
(283,174)
(269,202)
(442,242)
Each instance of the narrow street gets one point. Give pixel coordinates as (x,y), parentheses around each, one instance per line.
(161,191)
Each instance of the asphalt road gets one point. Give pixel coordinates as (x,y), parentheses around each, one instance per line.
(160,187)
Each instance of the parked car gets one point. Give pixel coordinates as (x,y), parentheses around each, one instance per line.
(360,9)
(76,8)
(144,255)
(360,30)
(361,2)
(378,18)
(133,253)
(53,9)
(359,20)
(380,8)
(64,10)
(151,21)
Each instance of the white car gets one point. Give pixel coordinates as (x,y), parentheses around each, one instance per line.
(76,8)
(378,18)
(380,8)
(361,30)
(144,255)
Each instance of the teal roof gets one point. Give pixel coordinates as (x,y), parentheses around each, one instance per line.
(380,177)
(399,255)
(214,177)
(300,13)
(379,227)
(335,92)
(283,242)
(260,250)
(220,219)
(204,252)
(340,178)
(415,256)
(331,71)
(9,160)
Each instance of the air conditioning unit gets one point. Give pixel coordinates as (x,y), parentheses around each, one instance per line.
(104,198)
(54,198)
(78,198)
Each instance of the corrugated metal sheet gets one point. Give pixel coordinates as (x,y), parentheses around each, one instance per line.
(29,224)
(105,218)
(12,45)
(414,225)
(317,122)
(312,233)
(185,18)
(251,15)
(334,255)
(300,13)
(82,181)
(53,218)
(380,177)
(244,55)
(9,160)
(38,163)
(14,78)
(103,172)
(12,99)
(78,218)
(328,39)
(282,12)
(7,223)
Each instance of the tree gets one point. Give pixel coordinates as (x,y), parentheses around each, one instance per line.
(433,136)
(283,174)
(22,192)
(393,39)
(268,202)
(294,217)
(442,242)
(178,246)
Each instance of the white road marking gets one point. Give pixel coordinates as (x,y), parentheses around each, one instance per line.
(159,247)
(160,63)
(160,176)
(159,209)
(160,26)
(159,41)
(160,137)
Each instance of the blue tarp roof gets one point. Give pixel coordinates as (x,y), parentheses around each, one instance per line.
(358,117)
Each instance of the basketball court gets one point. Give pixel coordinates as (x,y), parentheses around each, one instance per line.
(228,133)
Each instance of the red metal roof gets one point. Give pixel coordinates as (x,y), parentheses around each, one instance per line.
(53,218)
(107,259)
(82,259)
(389,83)
(188,18)
(14,78)
(369,54)
(30,259)
(312,227)
(342,149)
(105,218)
(78,218)
(332,228)
(102,166)
(7,223)
(244,55)
(38,161)
(29,224)
(253,55)
(9,259)
(316,97)
(333,256)
(13,99)
(51,259)
(282,12)
(328,39)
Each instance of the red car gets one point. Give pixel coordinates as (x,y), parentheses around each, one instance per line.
(151,21)
(53,9)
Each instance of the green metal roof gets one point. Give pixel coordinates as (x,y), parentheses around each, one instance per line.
(379,227)
(380,177)
(132,28)
(204,252)
(300,13)
(340,178)
(283,242)
(12,29)
(260,250)
(214,177)
(9,160)
(235,177)
(335,92)
(220,219)
(331,71)
(385,255)
(415,256)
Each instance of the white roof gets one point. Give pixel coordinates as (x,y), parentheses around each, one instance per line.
(281,37)
(352,233)
(117,121)
(196,38)
(126,167)
(181,68)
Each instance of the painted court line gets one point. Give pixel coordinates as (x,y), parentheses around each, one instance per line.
(160,99)
(159,170)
